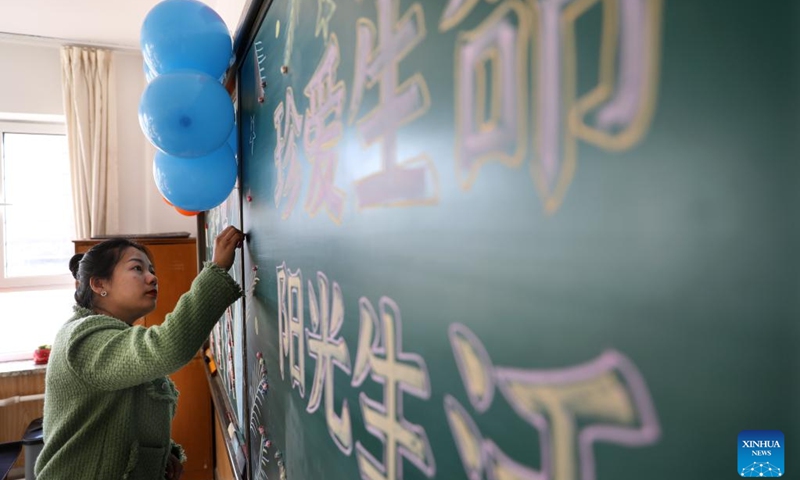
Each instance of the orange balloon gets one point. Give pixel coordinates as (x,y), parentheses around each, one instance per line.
(166,201)
(186,213)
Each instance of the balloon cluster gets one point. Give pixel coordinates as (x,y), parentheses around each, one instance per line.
(184,111)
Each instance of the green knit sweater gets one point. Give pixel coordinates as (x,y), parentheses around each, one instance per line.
(108,405)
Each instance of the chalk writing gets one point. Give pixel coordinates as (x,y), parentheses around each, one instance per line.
(607,395)
(498,45)
(290,325)
(325,9)
(379,50)
(288,127)
(326,312)
(493,58)
(380,354)
(323,129)
(258,432)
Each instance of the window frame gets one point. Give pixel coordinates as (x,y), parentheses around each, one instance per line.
(38,282)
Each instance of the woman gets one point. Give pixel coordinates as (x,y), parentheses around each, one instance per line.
(108,404)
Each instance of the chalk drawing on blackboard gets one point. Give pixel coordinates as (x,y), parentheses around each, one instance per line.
(380,354)
(288,128)
(259,58)
(474,365)
(479,455)
(281,469)
(326,311)
(226,347)
(325,9)
(231,371)
(454,12)
(554,164)
(223,350)
(323,130)
(379,51)
(608,394)
(625,97)
(290,325)
(292,24)
(252,283)
(501,43)
(218,351)
(251,289)
(252,134)
(614,115)
(258,432)
(632,49)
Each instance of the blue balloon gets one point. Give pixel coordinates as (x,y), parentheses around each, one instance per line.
(186,114)
(148,73)
(196,184)
(233,141)
(182,35)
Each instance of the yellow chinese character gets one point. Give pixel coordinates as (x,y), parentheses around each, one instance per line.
(290,325)
(492,62)
(288,126)
(323,129)
(324,344)
(607,396)
(379,50)
(380,354)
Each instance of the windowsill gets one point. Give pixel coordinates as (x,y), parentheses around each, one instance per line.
(20,367)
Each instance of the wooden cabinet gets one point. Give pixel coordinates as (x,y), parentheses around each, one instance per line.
(175,261)
(192,426)
(18,380)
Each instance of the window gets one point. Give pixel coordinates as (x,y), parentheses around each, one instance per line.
(36,231)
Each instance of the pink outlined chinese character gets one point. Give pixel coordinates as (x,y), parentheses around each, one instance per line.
(290,325)
(397,183)
(614,115)
(607,397)
(491,61)
(380,353)
(288,127)
(323,129)
(326,312)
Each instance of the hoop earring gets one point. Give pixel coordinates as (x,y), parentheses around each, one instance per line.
(103,293)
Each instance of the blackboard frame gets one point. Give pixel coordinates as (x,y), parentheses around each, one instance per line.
(253,13)
(234,452)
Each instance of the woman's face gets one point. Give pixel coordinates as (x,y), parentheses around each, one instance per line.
(132,288)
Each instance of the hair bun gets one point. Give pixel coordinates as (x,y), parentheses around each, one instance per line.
(74,263)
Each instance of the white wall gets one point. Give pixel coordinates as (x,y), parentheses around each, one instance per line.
(30,83)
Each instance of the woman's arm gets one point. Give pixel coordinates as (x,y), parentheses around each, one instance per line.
(110,355)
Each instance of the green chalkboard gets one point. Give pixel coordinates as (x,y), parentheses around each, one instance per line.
(226,341)
(518,239)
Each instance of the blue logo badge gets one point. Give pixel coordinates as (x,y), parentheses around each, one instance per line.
(761,453)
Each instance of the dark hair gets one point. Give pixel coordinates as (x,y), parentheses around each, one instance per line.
(98,262)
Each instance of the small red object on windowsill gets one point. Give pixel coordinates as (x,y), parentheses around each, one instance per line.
(41,355)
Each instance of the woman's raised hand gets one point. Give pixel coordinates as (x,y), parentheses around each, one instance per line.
(225,247)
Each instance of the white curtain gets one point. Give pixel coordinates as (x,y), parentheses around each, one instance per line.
(87,78)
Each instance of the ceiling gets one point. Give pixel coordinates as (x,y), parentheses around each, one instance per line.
(113,23)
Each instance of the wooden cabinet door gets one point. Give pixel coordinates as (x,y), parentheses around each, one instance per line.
(176,267)
(192,424)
